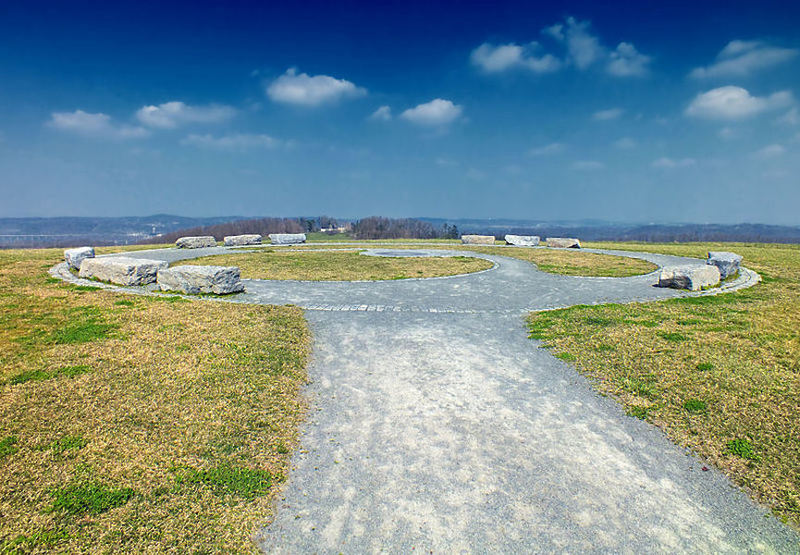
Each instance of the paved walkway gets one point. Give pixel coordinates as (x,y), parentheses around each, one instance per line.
(437,425)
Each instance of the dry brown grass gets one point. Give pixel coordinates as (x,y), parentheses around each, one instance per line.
(340,265)
(575,262)
(720,375)
(118,391)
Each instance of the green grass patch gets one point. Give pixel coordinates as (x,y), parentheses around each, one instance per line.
(568,357)
(695,405)
(742,448)
(8,446)
(240,481)
(68,443)
(89,498)
(82,332)
(672,336)
(37,375)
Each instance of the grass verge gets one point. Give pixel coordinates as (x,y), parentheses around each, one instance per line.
(719,374)
(340,265)
(130,424)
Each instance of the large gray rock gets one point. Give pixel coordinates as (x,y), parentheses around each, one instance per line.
(74,257)
(121,270)
(693,278)
(477,239)
(522,240)
(241,240)
(287,238)
(196,242)
(727,262)
(563,243)
(192,280)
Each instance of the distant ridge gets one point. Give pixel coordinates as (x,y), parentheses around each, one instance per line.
(72,231)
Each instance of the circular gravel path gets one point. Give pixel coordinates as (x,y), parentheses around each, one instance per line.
(437,425)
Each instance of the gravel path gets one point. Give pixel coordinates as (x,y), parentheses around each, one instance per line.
(437,425)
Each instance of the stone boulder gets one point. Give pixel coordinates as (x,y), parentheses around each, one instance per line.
(522,240)
(477,239)
(121,270)
(693,278)
(196,242)
(563,243)
(241,240)
(74,257)
(287,238)
(727,262)
(192,280)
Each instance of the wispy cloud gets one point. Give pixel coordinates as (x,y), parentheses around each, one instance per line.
(97,125)
(547,150)
(792,117)
(605,115)
(437,112)
(384,113)
(494,59)
(670,163)
(770,151)
(170,115)
(588,165)
(733,103)
(235,141)
(740,58)
(305,90)
(625,143)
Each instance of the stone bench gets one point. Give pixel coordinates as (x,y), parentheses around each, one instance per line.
(287,238)
(477,239)
(121,270)
(693,278)
(563,243)
(74,257)
(196,242)
(728,263)
(522,240)
(192,280)
(242,240)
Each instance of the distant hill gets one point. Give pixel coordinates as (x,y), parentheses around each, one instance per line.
(67,231)
(159,228)
(609,231)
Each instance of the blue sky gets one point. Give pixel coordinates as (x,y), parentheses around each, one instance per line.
(633,112)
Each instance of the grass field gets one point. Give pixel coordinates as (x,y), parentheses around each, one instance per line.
(140,424)
(340,265)
(719,374)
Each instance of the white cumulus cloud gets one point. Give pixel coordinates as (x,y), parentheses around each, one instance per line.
(605,115)
(94,125)
(740,58)
(626,61)
(731,102)
(437,112)
(384,113)
(235,141)
(305,90)
(669,163)
(494,59)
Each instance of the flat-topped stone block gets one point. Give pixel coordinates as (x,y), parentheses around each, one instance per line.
(242,240)
(523,240)
(693,278)
(727,262)
(196,242)
(287,238)
(563,243)
(192,280)
(477,239)
(74,257)
(121,270)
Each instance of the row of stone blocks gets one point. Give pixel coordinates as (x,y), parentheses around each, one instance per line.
(120,270)
(205,241)
(719,265)
(523,241)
